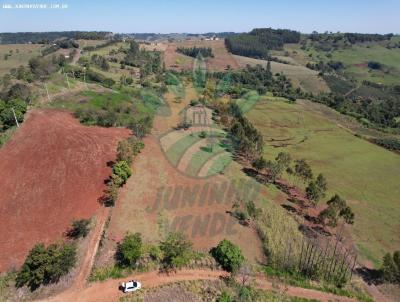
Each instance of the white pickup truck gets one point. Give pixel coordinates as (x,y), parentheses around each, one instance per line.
(131,286)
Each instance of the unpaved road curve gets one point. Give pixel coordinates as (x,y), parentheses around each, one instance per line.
(108,291)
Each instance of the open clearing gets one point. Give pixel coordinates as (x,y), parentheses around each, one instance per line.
(355,60)
(300,76)
(204,220)
(222,58)
(58,171)
(17,54)
(365,174)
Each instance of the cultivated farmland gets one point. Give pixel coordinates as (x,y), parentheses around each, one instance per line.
(58,171)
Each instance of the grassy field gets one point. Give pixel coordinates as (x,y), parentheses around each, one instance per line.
(84,42)
(365,174)
(106,50)
(355,60)
(115,72)
(17,54)
(301,76)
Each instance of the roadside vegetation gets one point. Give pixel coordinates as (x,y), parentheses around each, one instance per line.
(45,265)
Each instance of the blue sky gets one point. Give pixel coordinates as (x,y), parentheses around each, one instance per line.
(168,16)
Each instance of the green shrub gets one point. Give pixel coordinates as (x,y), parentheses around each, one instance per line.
(104,273)
(177,251)
(7,119)
(203,134)
(225,297)
(155,253)
(80,228)
(111,193)
(228,255)
(374,65)
(128,148)
(46,265)
(129,250)
(391,267)
(121,169)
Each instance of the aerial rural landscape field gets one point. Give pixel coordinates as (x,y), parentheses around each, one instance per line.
(204,157)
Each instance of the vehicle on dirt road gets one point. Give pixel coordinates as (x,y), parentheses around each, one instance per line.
(130,286)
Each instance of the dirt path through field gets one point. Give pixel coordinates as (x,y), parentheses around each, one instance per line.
(93,245)
(77,56)
(108,291)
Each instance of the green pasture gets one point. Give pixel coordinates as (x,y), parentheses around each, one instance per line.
(17,54)
(204,154)
(366,175)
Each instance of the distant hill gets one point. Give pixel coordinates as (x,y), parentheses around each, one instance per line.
(46,37)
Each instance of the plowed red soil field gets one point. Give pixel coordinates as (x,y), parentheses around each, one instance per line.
(51,172)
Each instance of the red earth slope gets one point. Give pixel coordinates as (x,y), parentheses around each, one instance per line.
(51,172)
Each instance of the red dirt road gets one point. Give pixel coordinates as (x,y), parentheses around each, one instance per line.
(108,291)
(51,172)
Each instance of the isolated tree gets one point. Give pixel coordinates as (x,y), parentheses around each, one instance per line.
(269,67)
(80,228)
(303,170)
(390,269)
(328,216)
(283,159)
(347,214)
(337,203)
(337,208)
(177,251)
(316,189)
(321,184)
(274,170)
(228,255)
(312,192)
(130,250)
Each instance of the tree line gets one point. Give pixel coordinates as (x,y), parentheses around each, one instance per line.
(193,52)
(260,79)
(259,41)
(379,112)
(149,62)
(47,37)
(103,45)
